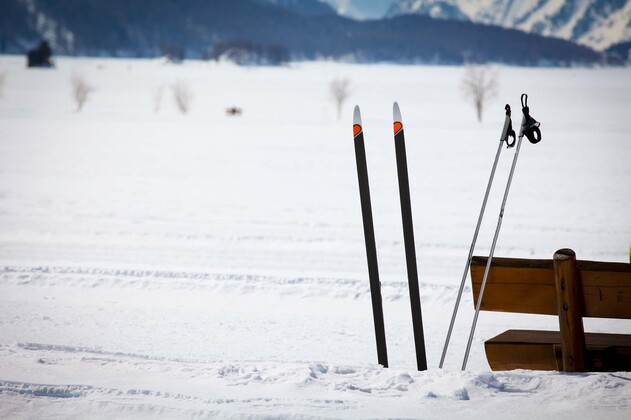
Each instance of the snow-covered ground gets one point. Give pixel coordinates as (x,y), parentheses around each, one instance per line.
(166,265)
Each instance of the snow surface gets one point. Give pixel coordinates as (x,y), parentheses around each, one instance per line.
(165,265)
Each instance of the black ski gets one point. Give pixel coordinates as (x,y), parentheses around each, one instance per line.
(408,236)
(369,237)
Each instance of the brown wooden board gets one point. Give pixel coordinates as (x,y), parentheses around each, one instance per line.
(527,286)
(540,350)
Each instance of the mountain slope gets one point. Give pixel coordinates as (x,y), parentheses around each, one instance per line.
(148,28)
(361,9)
(304,7)
(595,23)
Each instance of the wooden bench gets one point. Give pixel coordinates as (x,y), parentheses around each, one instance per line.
(564,287)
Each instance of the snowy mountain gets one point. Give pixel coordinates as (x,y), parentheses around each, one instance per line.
(595,23)
(362,9)
(267,31)
(304,7)
(598,24)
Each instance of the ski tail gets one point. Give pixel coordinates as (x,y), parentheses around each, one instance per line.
(357,122)
(397,120)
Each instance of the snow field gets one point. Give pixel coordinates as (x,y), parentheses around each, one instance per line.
(156,264)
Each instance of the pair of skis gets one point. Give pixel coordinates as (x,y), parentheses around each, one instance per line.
(530,128)
(408,236)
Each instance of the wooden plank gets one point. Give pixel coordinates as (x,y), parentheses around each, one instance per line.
(606,294)
(540,350)
(527,286)
(523,349)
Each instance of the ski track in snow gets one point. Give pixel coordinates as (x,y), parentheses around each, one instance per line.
(206,387)
(180,280)
(320,389)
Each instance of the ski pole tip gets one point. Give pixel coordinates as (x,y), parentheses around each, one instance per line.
(396,112)
(357,116)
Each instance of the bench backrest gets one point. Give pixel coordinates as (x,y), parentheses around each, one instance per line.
(528,286)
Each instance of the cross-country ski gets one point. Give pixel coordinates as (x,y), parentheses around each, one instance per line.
(408,238)
(369,237)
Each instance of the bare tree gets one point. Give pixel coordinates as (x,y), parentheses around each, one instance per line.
(183,96)
(80,90)
(157,98)
(480,85)
(340,91)
(3,78)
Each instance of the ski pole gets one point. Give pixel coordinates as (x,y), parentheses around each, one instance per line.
(369,238)
(408,238)
(507,131)
(529,128)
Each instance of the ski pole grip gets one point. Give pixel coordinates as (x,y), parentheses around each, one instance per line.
(530,126)
(534,135)
(508,131)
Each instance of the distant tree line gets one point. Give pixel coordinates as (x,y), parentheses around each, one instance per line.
(173,51)
(245,51)
(621,51)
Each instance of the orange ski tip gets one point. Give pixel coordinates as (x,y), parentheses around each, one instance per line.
(356,129)
(397,127)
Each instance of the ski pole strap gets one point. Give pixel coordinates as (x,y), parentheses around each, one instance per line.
(530,127)
(509,132)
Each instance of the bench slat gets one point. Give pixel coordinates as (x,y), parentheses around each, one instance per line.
(527,286)
(541,350)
